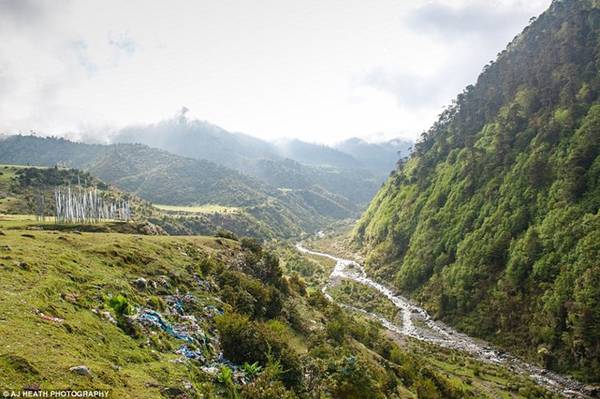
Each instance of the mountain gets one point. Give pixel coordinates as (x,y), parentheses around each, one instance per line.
(315,154)
(164,178)
(380,158)
(199,140)
(282,164)
(493,223)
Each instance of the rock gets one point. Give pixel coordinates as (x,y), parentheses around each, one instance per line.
(5,247)
(106,314)
(32,387)
(173,392)
(69,297)
(591,390)
(26,235)
(2,233)
(24,266)
(81,370)
(140,283)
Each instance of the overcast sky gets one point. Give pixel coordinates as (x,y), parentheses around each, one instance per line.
(318,70)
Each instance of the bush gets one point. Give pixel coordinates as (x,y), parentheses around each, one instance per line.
(226,234)
(120,305)
(240,341)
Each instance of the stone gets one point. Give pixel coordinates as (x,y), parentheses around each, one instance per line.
(591,390)
(81,370)
(140,283)
(106,314)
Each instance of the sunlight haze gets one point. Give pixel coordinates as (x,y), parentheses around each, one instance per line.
(318,71)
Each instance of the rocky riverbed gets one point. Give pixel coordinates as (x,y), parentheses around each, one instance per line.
(418,324)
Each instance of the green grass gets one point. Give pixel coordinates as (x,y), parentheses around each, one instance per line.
(353,293)
(68,276)
(207,208)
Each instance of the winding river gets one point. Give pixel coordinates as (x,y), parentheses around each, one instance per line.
(416,323)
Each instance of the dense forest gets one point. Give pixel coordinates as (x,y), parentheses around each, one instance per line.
(493,222)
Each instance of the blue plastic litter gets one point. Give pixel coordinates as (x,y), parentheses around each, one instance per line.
(156,319)
(190,354)
(178,305)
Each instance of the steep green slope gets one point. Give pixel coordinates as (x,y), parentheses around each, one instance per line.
(494,221)
(165,178)
(349,188)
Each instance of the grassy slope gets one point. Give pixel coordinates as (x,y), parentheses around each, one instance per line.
(68,275)
(39,273)
(20,196)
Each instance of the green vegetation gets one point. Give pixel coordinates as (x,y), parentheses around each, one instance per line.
(494,221)
(148,316)
(366,298)
(208,208)
(164,178)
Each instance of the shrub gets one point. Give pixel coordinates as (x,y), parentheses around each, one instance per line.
(120,305)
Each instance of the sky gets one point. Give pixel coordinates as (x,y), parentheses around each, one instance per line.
(317,70)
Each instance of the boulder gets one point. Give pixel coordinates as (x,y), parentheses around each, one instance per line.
(140,283)
(81,370)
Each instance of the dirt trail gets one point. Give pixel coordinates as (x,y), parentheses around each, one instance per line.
(417,323)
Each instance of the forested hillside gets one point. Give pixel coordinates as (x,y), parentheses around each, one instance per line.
(165,178)
(494,221)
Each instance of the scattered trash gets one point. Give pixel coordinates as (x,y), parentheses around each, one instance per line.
(210,370)
(81,370)
(49,318)
(153,318)
(184,350)
(203,284)
(211,310)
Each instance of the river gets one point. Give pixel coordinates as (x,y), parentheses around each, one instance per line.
(418,324)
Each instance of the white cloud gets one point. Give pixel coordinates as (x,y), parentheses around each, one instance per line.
(312,69)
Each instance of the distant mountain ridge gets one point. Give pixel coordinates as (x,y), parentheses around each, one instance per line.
(378,157)
(286,163)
